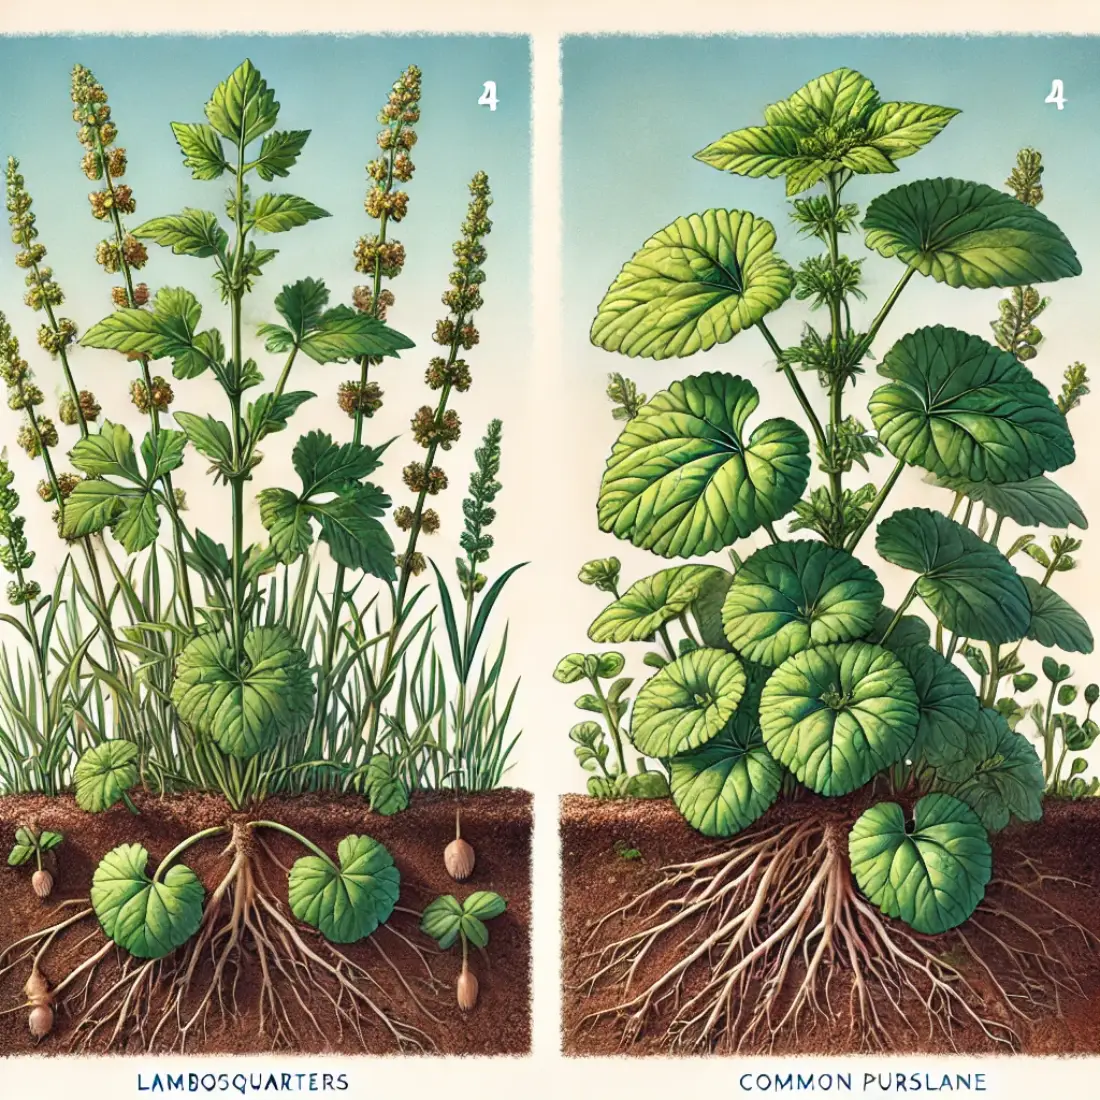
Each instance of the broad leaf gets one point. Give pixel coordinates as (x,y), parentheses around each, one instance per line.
(346,903)
(279,152)
(968,234)
(286,520)
(328,467)
(301,305)
(104,774)
(649,603)
(210,437)
(108,453)
(245,705)
(960,407)
(794,595)
(278,213)
(147,918)
(94,505)
(1054,623)
(947,702)
(696,283)
(933,876)
(269,414)
(442,920)
(343,333)
(188,233)
(707,609)
(384,787)
(28,842)
(838,714)
(243,107)
(969,585)
(201,148)
(687,703)
(351,529)
(138,522)
(445,918)
(910,630)
(682,480)
(1036,502)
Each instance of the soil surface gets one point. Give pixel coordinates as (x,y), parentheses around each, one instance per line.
(598,835)
(496,823)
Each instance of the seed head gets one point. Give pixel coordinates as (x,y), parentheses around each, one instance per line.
(26,395)
(414,562)
(55,340)
(354,399)
(19,594)
(429,521)
(389,256)
(364,301)
(403,517)
(134,252)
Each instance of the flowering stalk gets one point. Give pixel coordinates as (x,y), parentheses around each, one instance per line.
(123,253)
(439,428)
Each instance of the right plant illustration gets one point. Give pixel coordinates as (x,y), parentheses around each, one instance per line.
(863,757)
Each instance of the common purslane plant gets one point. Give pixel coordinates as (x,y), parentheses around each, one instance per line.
(788,672)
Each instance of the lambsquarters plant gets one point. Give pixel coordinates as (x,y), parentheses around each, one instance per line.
(227,673)
(791,674)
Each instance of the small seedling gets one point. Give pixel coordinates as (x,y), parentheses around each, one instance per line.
(30,843)
(626,851)
(447,920)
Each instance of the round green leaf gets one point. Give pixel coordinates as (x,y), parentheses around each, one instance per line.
(707,609)
(909,631)
(649,603)
(149,919)
(1001,776)
(960,407)
(932,877)
(687,703)
(696,283)
(1036,502)
(947,702)
(794,595)
(442,920)
(836,715)
(570,669)
(345,903)
(384,786)
(682,480)
(1054,623)
(968,234)
(969,585)
(726,785)
(644,785)
(244,706)
(484,905)
(104,774)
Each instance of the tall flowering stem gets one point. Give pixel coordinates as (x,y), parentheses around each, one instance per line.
(439,428)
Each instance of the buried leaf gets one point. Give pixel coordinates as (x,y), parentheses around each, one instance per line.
(104,774)
(932,876)
(345,903)
(147,917)
(651,602)
(1054,623)
(789,597)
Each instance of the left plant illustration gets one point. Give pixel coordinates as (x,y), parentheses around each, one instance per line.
(162,660)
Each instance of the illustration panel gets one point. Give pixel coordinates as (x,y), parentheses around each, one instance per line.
(827,329)
(258,717)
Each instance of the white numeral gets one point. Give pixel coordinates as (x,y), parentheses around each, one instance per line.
(489,96)
(1057,94)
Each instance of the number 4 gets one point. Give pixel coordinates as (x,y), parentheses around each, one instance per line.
(1057,95)
(489,96)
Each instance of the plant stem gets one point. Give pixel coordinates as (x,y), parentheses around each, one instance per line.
(304,841)
(796,386)
(876,506)
(902,607)
(880,317)
(236,299)
(612,722)
(836,393)
(182,847)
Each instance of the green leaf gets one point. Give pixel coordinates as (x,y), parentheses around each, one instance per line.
(385,789)
(210,437)
(48,840)
(344,333)
(909,631)
(687,703)
(355,537)
(287,521)
(269,414)
(727,784)
(442,920)
(838,714)
(968,234)
(26,844)
(326,467)
(707,609)
(795,595)
(94,505)
(947,702)
(682,481)
(301,305)
(960,407)
(932,877)
(484,905)
(279,152)
(108,453)
(346,903)
(243,107)
(1054,623)
(188,233)
(201,148)
(138,522)
(147,918)
(902,129)
(570,669)
(104,774)
(1036,502)
(278,213)
(244,706)
(163,453)
(696,283)
(649,603)
(968,585)
(645,785)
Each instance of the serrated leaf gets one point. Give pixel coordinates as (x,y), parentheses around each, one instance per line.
(969,585)
(201,148)
(138,522)
(104,774)
(279,152)
(932,877)
(344,333)
(346,903)
(146,918)
(649,603)
(210,437)
(681,480)
(278,213)
(188,233)
(353,533)
(327,467)
(960,407)
(696,283)
(269,414)
(287,522)
(302,305)
(242,106)
(1054,623)
(385,789)
(795,595)
(107,453)
(687,703)
(94,505)
(968,234)
(244,706)
(1036,502)
(838,714)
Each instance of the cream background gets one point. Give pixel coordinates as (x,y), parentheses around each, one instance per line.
(544,418)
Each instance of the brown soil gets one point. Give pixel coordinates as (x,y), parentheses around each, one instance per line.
(497,824)
(596,879)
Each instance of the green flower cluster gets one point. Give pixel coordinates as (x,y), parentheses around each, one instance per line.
(15,556)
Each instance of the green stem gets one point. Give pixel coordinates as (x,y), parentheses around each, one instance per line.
(796,386)
(902,608)
(612,723)
(836,394)
(236,300)
(880,317)
(876,506)
(182,847)
(1048,734)
(772,533)
(669,647)
(304,841)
